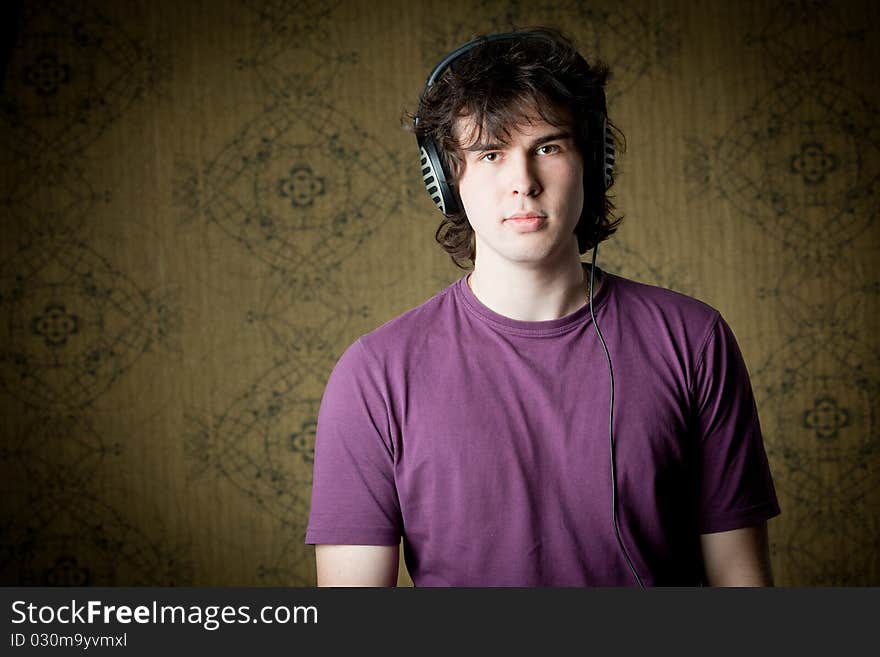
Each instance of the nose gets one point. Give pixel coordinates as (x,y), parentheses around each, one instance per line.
(523,178)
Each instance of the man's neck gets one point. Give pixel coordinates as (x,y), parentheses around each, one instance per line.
(532,295)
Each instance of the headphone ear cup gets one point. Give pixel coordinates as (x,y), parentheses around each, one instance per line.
(607,155)
(436,178)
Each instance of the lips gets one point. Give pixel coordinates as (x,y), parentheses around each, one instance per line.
(525,215)
(526,223)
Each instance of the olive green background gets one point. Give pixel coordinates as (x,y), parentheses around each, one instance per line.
(204,203)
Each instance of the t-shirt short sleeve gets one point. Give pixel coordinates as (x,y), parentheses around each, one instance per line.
(354,497)
(736,486)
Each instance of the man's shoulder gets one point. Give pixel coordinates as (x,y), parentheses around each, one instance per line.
(655,310)
(637,295)
(403,331)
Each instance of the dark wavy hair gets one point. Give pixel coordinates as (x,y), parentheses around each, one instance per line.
(500,84)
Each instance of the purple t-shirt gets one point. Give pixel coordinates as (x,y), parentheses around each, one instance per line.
(484,441)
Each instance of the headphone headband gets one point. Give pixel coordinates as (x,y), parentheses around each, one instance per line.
(473,43)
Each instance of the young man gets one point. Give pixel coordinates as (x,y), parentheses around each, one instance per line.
(488,426)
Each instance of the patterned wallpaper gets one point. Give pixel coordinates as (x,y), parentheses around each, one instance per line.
(205,202)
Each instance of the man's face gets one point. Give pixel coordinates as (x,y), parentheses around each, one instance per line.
(538,171)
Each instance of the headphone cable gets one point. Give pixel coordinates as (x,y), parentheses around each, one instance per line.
(610,425)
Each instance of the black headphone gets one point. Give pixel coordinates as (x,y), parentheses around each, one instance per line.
(437,178)
(446,199)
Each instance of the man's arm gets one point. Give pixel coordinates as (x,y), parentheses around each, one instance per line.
(357,565)
(739,557)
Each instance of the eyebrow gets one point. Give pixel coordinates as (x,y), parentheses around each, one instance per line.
(564,134)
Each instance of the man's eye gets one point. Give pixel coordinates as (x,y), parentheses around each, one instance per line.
(554,148)
(487,157)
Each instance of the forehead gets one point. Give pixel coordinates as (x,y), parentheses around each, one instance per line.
(501,127)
